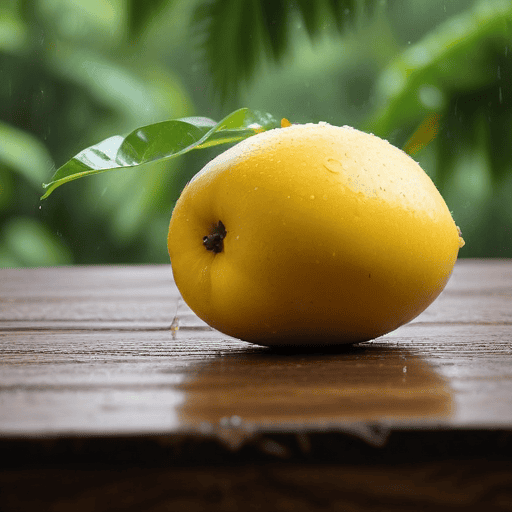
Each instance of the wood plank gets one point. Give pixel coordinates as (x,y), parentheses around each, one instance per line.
(150,383)
(114,396)
(114,350)
(449,485)
(478,291)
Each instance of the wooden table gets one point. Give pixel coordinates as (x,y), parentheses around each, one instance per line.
(115,396)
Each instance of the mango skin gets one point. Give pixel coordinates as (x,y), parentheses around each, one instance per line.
(333,236)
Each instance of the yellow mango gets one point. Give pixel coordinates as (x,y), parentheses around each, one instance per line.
(311,235)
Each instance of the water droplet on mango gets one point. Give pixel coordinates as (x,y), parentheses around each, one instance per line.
(333,165)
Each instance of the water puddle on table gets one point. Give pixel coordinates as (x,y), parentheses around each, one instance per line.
(367,383)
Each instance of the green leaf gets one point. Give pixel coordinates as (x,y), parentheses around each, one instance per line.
(160,141)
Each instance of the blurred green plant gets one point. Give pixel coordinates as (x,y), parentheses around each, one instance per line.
(235,36)
(159,142)
(74,73)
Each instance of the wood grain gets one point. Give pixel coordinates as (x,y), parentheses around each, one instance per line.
(115,396)
(115,350)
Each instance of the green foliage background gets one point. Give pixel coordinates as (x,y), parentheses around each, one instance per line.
(74,72)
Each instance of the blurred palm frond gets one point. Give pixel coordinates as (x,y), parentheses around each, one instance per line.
(235,36)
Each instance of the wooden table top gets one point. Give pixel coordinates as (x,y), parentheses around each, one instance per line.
(115,396)
(113,350)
